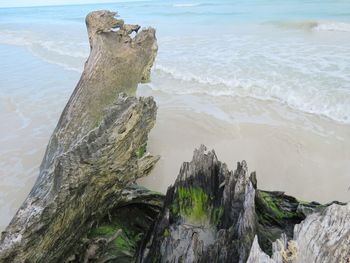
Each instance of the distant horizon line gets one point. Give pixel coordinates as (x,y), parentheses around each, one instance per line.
(72,4)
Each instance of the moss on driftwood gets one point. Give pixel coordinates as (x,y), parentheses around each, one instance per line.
(140,152)
(117,237)
(193,204)
(277,213)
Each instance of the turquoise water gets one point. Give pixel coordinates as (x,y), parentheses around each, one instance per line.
(294,52)
(190,11)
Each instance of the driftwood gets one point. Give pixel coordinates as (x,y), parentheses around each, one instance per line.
(212,214)
(93,152)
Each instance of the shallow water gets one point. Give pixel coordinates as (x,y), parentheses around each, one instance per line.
(256,80)
(295,52)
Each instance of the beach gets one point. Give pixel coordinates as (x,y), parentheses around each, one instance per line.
(311,163)
(269,88)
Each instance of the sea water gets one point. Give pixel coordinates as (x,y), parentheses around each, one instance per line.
(292,53)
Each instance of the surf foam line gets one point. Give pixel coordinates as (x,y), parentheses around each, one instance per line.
(321,106)
(57,53)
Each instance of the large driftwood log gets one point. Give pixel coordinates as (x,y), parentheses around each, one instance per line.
(93,152)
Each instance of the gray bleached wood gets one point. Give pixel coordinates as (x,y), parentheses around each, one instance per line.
(91,155)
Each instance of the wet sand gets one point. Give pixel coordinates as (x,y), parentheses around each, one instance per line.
(304,155)
(33,94)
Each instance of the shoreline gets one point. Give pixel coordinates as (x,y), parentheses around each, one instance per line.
(30,106)
(204,113)
(287,155)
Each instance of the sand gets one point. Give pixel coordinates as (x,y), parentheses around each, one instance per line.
(304,155)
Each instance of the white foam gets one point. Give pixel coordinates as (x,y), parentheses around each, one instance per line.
(250,68)
(332,26)
(69,55)
(315,25)
(335,106)
(62,48)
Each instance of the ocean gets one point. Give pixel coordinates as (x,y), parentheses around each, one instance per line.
(279,65)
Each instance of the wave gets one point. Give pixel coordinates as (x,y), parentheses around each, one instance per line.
(69,55)
(314,25)
(333,107)
(333,26)
(196,14)
(186,5)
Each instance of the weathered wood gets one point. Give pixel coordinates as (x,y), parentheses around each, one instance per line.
(92,154)
(208,215)
(212,214)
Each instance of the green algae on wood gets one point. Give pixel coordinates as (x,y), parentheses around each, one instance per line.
(277,213)
(118,235)
(140,152)
(193,204)
(124,245)
(166,232)
(216,215)
(273,206)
